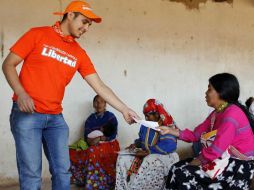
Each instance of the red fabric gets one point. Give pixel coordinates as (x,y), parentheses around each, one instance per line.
(58,30)
(76,156)
(135,165)
(106,155)
(153,105)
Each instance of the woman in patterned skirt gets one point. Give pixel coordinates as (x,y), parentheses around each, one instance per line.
(94,168)
(227,139)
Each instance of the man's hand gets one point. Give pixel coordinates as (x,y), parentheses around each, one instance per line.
(109,96)
(25,103)
(128,115)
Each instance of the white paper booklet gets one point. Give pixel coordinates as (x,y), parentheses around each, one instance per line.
(129,151)
(150,124)
(126,152)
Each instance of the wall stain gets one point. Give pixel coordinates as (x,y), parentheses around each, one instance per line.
(139,42)
(194,4)
(2,43)
(125,73)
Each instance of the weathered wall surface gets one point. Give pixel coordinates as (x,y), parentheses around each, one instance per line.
(142,49)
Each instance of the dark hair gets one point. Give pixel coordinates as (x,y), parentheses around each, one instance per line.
(249,102)
(228,88)
(95,97)
(109,129)
(76,14)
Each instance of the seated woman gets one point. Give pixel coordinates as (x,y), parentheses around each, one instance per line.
(227,139)
(250,105)
(147,169)
(95,167)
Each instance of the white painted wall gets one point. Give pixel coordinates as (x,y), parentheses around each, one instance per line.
(166,51)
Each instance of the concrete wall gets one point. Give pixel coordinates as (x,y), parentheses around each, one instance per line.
(142,49)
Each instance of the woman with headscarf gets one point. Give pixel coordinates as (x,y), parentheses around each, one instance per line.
(156,153)
(226,159)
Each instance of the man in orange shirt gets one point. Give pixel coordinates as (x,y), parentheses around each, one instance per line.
(51,57)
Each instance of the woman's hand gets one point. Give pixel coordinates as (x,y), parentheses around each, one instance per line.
(142,153)
(169,130)
(93,141)
(195,162)
(131,147)
(160,122)
(103,138)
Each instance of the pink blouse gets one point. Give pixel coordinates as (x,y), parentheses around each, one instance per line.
(233,129)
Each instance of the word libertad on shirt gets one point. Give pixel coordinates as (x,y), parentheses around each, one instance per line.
(50,52)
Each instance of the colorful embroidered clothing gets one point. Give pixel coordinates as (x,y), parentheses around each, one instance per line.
(94,168)
(155,143)
(220,132)
(233,129)
(138,173)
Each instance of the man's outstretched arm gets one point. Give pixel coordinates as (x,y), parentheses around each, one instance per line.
(109,96)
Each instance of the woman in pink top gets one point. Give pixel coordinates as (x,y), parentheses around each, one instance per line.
(227,132)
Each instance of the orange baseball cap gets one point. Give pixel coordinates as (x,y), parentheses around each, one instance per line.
(81,7)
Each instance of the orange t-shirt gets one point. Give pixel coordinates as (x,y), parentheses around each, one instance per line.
(49,65)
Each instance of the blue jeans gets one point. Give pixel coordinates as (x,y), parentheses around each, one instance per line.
(30,132)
